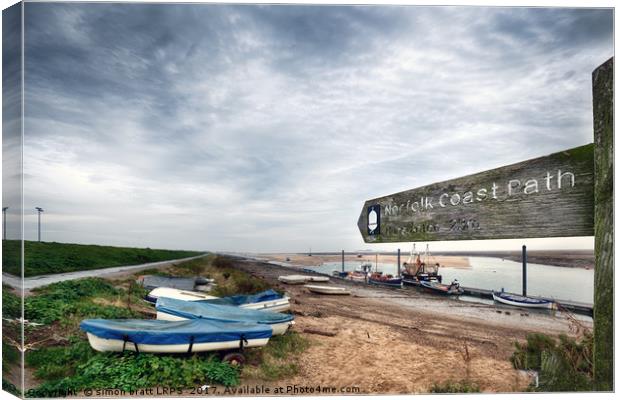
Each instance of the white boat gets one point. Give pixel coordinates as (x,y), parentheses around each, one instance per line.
(327,289)
(522,301)
(190,336)
(176,294)
(250,302)
(293,279)
(317,279)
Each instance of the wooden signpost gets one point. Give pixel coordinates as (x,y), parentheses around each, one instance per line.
(569,193)
(550,196)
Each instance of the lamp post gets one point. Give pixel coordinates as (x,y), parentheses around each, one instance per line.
(4,222)
(39,211)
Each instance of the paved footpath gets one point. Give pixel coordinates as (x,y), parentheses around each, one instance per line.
(42,280)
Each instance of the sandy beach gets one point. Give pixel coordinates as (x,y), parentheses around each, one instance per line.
(402,341)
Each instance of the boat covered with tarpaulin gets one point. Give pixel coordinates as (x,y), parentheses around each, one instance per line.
(268,300)
(175,310)
(187,336)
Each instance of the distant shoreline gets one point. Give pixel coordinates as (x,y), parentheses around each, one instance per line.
(558,258)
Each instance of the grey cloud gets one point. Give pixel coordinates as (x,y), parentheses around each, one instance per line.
(266,127)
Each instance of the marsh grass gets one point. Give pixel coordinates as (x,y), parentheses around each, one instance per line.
(564,364)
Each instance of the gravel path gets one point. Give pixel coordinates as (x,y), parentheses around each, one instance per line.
(42,280)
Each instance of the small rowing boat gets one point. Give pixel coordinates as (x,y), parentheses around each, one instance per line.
(175,310)
(327,289)
(436,287)
(522,301)
(269,300)
(317,278)
(293,279)
(189,336)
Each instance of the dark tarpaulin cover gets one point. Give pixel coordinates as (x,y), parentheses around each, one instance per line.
(218,312)
(150,331)
(151,282)
(241,299)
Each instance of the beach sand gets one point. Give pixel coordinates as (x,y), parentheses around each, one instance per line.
(395,341)
(296,259)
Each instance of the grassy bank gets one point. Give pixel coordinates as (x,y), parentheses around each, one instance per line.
(63,361)
(52,258)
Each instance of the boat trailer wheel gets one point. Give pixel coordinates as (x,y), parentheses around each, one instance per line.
(234,359)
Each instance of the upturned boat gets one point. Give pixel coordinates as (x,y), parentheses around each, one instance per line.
(439,288)
(522,301)
(175,310)
(156,336)
(327,289)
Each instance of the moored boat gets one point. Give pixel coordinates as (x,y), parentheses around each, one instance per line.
(386,280)
(155,336)
(175,310)
(436,287)
(416,271)
(522,301)
(357,276)
(327,289)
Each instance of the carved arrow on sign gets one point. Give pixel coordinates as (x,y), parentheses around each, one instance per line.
(550,196)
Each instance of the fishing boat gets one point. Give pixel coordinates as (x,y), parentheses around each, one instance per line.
(415,270)
(436,287)
(175,310)
(378,278)
(176,294)
(189,336)
(269,300)
(327,289)
(292,279)
(522,301)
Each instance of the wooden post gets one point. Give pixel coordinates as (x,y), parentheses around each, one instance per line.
(603,110)
(342,260)
(398,264)
(524,260)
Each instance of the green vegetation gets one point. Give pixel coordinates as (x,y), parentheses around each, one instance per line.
(564,365)
(464,386)
(69,364)
(52,258)
(274,361)
(71,301)
(9,387)
(229,280)
(11,303)
(131,371)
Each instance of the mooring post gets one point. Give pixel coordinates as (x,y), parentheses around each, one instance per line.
(398,264)
(603,113)
(342,260)
(524,258)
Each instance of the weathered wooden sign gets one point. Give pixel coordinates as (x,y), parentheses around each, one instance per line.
(550,196)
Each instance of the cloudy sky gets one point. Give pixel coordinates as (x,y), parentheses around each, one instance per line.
(265,128)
